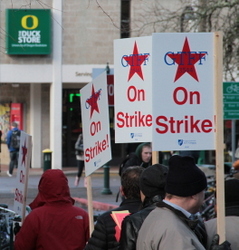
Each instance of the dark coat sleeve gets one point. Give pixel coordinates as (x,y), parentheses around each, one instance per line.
(98,239)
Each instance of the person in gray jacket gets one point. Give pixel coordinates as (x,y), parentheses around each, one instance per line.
(232,215)
(171,224)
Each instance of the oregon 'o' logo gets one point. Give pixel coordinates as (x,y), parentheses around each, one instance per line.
(25,24)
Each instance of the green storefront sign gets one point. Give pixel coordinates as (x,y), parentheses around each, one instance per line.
(28,31)
(231,100)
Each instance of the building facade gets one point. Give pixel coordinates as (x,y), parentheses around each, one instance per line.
(47,85)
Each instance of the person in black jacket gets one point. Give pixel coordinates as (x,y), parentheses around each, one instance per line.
(152,182)
(106,233)
(142,157)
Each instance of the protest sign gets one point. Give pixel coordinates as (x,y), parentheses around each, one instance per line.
(24,161)
(133,89)
(95,119)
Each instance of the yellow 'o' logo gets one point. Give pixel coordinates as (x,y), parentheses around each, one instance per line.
(34,22)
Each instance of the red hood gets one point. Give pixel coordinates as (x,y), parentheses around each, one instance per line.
(52,187)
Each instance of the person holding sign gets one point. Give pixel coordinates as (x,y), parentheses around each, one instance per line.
(107,229)
(172,224)
(53,223)
(232,215)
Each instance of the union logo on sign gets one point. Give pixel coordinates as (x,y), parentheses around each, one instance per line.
(135,61)
(186,60)
(180,142)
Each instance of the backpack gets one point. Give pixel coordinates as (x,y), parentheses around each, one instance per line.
(122,164)
(15,139)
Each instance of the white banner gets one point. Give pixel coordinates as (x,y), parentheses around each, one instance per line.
(95,121)
(133,89)
(183,91)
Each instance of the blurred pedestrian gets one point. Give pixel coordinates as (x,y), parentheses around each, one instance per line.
(232,215)
(79,151)
(171,224)
(13,143)
(152,183)
(54,222)
(106,233)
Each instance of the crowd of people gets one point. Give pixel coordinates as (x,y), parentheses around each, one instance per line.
(160,210)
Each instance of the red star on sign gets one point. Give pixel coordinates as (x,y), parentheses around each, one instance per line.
(92,101)
(186,60)
(24,153)
(135,60)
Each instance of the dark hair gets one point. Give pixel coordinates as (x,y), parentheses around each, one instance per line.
(130,182)
(14,124)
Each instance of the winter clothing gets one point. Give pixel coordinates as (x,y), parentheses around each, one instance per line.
(104,234)
(152,182)
(166,232)
(135,159)
(184,177)
(132,224)
(9,136)
(153,179)
(232,215)
(14,152)
(232,229)
(54,223)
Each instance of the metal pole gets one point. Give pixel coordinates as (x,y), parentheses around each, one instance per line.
(106,189)
(233,134)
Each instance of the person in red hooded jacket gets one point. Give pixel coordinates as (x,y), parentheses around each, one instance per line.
(54,222)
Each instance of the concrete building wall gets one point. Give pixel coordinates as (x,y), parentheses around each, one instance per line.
(89,29)
(88,32)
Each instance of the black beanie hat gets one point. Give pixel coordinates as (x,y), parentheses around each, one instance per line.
(232,192)
(184,177)
(152,180)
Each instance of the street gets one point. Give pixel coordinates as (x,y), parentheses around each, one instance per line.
(97,179)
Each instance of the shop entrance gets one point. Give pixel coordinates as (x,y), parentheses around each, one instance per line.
(72,127)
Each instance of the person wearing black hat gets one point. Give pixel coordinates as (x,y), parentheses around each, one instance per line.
(232,215)
(152,183)
(169,225)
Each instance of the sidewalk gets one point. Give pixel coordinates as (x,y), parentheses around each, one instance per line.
(101,201)
(66,170)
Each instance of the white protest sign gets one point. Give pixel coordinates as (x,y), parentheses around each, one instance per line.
(133,89)
(183,91)
(24,161)
(95,120)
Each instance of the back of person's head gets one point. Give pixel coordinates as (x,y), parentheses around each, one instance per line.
(14,124)
(232,192)
(130,182)
(52,187)
(153,180)
(184,177)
